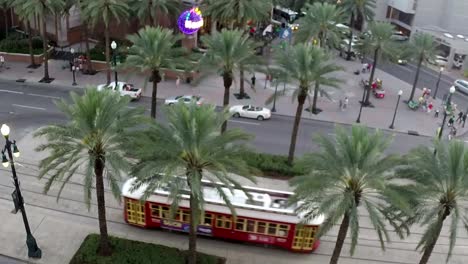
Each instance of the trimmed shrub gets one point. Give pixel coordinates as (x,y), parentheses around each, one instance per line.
(18,43)
(129,251)
(272,165)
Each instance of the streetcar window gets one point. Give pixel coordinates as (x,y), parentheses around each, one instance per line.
(261,227)
(250,226)
(241,224)
(155,210)
(185,216)
(165,212)
(283,230)
(272,229)
(208,219)
(223,222)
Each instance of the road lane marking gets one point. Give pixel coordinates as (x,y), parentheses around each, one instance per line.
(9,91)
(243,122)
(45,96)
(30,107)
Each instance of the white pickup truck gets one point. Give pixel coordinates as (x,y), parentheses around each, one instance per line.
(125,89)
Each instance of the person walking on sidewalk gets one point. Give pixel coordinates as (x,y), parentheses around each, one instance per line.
(177,82)
(2,61)
(460,117)
(253,80)
(429,107)
(451,121)
(436,114)
(464,119)
(345,103)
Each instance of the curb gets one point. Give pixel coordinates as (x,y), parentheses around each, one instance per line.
(16,259)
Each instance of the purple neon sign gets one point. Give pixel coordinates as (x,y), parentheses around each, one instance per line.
(190,21)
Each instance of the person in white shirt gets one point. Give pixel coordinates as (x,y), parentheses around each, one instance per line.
(2,61)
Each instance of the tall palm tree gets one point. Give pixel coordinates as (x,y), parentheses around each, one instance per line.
(236,14)
(85,25)
(106,11)
(301,63)
(41,9)
(423,48)
(382,45)
(441,184)
(228,50)
(17,5)
(153,49)
(356,8)
(99,123)
(148,10)
(5,6)
(191,146)
(349,172)
(320,23)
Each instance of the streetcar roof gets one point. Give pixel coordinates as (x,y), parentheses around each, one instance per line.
(264,203)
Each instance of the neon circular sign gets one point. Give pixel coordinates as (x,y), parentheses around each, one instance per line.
(190,21)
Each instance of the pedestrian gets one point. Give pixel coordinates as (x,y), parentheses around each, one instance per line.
(451,121)
(424,92)
(341,105)
(460,117)
(177,82)
(464,119)
(2,61)
(345,103)
(369,67)
(364,67)
(429,107)
(452,133)
(253,80)
(436,113)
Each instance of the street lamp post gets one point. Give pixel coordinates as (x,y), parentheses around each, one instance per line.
(273,109)
(438,82)
(358,120)
(73,68)
(447,108)
(33,250)
(114,59)
(396,108)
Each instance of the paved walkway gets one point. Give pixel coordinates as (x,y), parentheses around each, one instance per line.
(211,88)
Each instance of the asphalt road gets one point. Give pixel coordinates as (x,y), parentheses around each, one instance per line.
(7,260)
(26,108)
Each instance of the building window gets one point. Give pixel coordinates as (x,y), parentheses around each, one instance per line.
(223,222)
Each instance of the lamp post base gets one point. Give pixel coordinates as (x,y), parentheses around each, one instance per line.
(391,127)
(33,250)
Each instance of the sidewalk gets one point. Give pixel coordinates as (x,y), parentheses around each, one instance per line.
(211,88)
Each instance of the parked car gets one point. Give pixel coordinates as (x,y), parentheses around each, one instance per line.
(250,111)
(461,86)
(344,48)
(399,36)
(439,61)
(125,89)
(183,99)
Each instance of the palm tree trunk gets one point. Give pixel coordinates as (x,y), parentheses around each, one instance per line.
(104,248)
(314,102)
(44,47)
(292,147)
(428,251)
(340,239)
(416,78)
(56,27)
(371,78)
(227,79)
(89,69)
(351,22)
(31,51)
(192,257)
(106,35)
(241,84)
(156,79)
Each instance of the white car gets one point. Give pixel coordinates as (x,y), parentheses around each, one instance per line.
(183,99)
(250,111)
(399,36)
(461,86)
(439,61)
(125,89)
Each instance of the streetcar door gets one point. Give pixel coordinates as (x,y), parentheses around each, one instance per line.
(135,212)
(304,238)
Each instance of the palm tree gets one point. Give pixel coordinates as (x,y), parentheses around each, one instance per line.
(105,11)
(17,5)
(423,48)
(305,64)
(236,13)
(382,45)
(356,8)
(352,171)
(320,23)
(187,150)
(148,10)
(441,184)
(99,123)
(41,9)
(85,26)
(228,50)
(5,5)
(153,49)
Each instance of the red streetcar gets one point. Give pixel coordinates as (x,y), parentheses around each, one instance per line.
(265,218)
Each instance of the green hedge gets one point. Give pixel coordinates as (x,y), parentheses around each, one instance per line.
(273,165)
(18,43)
(129,251)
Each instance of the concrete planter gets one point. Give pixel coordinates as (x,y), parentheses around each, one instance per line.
(21,57)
